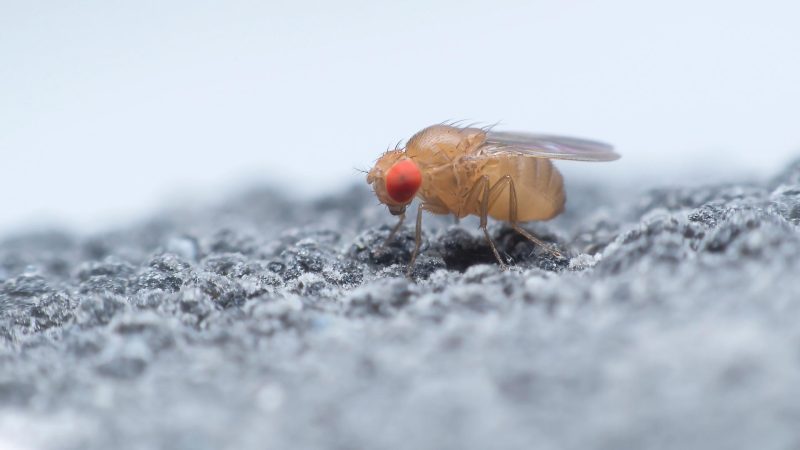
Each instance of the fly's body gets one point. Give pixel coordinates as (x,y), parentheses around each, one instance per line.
(476,171)
(453,160)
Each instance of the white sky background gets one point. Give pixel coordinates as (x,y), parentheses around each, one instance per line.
(110,109)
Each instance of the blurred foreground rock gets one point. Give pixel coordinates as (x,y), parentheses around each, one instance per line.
(266,323)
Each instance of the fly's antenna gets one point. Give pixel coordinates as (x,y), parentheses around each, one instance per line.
(361,170)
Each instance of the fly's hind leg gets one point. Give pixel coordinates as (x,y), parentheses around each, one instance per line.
(512,213)
(535,240)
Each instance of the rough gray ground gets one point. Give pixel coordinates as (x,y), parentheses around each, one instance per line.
(264,323)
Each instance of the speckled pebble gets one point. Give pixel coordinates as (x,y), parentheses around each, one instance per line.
(669,321)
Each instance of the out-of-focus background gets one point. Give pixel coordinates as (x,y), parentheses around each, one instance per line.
(110,109)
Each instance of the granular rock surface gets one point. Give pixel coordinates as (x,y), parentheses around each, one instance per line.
(672,321)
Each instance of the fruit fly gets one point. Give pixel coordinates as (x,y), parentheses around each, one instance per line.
(478,171)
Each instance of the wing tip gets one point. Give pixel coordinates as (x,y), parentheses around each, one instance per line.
(612,156)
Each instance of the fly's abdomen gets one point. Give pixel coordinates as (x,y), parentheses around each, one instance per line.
(538,185)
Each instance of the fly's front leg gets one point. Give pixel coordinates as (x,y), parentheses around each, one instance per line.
(434,208)
(395,230)
(512,212)
(417,240)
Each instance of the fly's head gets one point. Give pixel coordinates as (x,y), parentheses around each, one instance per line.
(395,180)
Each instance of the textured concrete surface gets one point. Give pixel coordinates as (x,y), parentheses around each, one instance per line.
(267,323)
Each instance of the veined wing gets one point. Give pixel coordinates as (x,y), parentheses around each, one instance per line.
(547,146)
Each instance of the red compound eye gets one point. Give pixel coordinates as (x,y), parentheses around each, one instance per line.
(402,180)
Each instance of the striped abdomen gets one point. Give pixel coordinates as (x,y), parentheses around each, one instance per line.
(538,185)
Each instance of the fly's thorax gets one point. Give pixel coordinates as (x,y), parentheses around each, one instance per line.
(441,144)
(449,184)
(437,183)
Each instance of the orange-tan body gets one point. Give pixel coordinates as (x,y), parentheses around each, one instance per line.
(474,171)
(451,165)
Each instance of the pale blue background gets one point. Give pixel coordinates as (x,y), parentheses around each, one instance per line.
(109,109)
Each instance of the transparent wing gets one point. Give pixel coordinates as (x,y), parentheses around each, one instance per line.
(547,146)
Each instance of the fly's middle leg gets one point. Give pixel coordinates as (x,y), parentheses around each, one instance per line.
(482,186)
